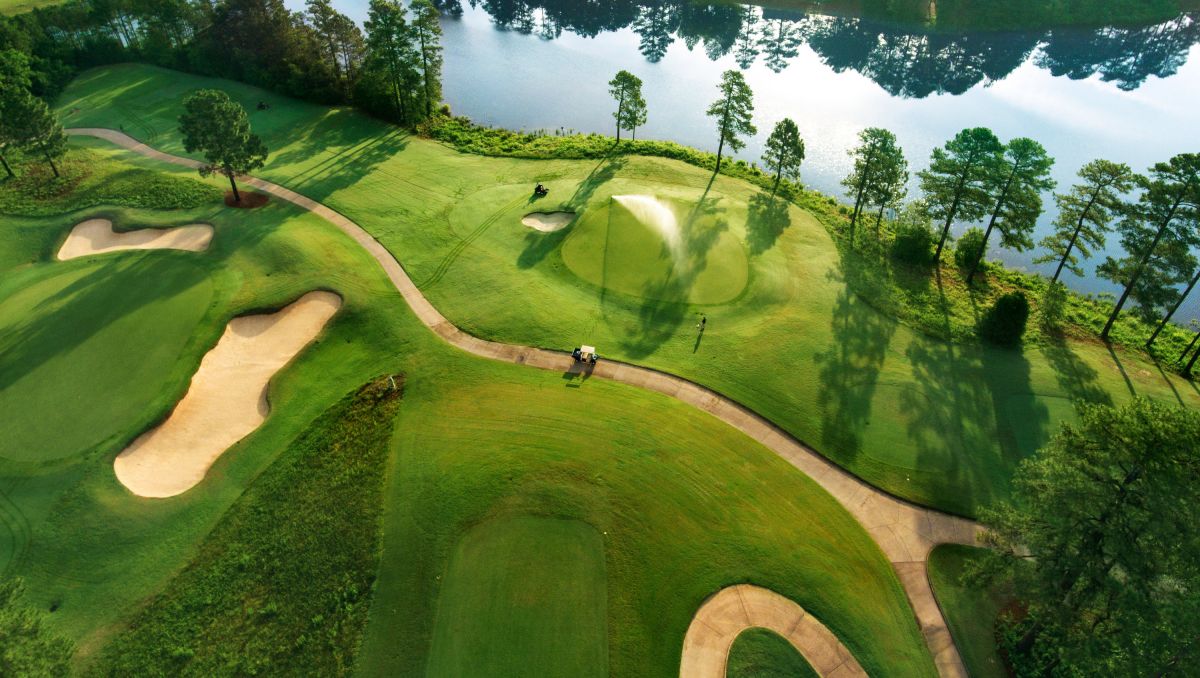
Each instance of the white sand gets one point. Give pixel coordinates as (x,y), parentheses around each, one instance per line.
(548,222)
(95,236)
(227,398)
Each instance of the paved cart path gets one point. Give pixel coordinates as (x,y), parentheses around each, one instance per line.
(905,532)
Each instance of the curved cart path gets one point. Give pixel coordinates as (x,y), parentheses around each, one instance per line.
(905,532)
(734,609)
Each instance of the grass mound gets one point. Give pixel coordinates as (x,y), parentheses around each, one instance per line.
(761,653)
(971,613)
(617,248)
(283,582)
(90,179)
(523,595)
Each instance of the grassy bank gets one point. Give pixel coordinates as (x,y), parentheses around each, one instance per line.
(939,422)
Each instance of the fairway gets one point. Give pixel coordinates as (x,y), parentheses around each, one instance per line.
(90,345)
(934,422)
(523,596)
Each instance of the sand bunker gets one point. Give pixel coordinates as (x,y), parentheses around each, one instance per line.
(548,222)
(227,398)
(96,236)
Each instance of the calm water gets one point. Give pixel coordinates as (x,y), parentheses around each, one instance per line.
(1129,94)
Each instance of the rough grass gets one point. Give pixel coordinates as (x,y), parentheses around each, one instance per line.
(971,613)
(523,595)
(89,179)
(940,423)
(282,585)
(762,653)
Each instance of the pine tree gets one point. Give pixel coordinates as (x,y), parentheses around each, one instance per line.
(784,152)
(626,89)
(427,33)
(955,184)
(1085,214)
(734,112)
(1016,183)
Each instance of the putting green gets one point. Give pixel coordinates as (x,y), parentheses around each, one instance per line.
(523,596)
(658,248)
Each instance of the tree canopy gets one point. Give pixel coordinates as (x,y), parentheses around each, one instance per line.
(1157,234)
(784,152)
(1100,547)
(878,174)
(626,90)
(1085,214)
(734,113)
(1015,183)
(955,184)
(218,127)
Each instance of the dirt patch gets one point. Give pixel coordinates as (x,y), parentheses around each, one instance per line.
(250,200)
(227,398)
(548,222)
(96,236)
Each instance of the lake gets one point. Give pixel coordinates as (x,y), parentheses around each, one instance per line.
(1126,94)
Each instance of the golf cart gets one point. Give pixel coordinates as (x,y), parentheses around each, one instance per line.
(585,354)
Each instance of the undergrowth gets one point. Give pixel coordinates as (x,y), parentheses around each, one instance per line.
(283,583)
(89,179)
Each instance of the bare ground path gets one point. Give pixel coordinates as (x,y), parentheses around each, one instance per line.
(906,533)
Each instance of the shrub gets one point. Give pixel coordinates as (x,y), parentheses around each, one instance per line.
(1004,322)
(913,244)
(969,248)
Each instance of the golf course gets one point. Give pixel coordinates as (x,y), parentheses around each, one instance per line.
(341,431)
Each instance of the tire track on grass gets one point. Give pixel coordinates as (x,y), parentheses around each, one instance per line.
(903,531)
(458,249)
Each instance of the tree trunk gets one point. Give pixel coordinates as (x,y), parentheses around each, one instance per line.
(1190,346)
(425,71)
(1178,303)
(937,256)
(992,223)
(53,167)
(7,169)
(879,217)
(1187,370)
(862,187)
(620,110)
(720,147)
(1075,236)
(778,178)
(1137,271)
(237,197)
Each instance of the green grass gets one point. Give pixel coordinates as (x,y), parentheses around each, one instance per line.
(761,653)
(523,595)
(282,584)
(89,179)
(971,613)
(685,504)
(940,423)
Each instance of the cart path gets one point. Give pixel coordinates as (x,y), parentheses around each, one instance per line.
(734,609)
(906,533)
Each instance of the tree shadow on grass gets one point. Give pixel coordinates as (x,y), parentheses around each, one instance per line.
(1077,378)
(766,219)
(665,302)
(539,245)
(849,373)
(357,158)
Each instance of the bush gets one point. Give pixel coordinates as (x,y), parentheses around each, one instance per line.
(913,244)
(1004,322)
(969,248)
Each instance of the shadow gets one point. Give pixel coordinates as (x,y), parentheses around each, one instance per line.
(537,244)
(1079,380)
(665,301)
(849,373)
(699,338)
(577,374)
(1121,368)
(766,220)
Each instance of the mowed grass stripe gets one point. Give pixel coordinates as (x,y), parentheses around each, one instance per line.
(523,596)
